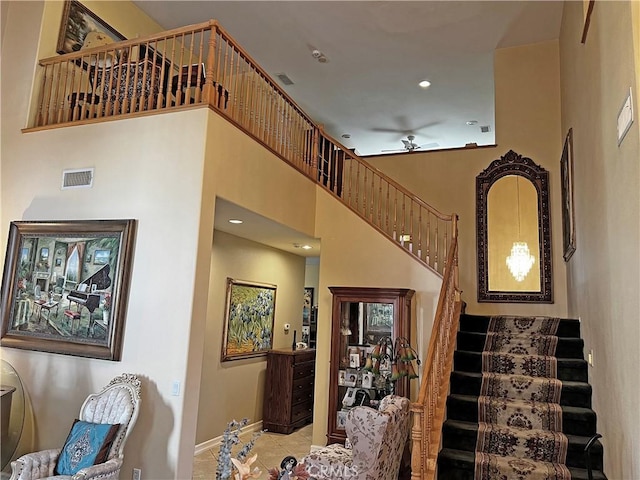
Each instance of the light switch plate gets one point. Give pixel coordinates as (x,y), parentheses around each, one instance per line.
(625,117)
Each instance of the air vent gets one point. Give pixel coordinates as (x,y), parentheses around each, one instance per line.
(79,178)
(284,79)
(485,128)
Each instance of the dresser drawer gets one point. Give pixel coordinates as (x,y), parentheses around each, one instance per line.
(304,356)
(304,370)
(300,411)
(302,394)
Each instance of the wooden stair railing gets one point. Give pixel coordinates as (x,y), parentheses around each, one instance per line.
(429,409)
(203,65)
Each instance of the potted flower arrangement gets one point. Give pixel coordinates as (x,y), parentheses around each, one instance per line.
(231,438)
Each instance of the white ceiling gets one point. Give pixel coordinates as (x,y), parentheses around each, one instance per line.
(377,53)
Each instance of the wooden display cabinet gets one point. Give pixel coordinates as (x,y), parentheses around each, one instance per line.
(360,318)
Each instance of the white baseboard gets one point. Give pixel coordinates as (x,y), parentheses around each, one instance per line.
(215,442)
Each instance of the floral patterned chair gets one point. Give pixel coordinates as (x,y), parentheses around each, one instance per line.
(378,438)
(112,413)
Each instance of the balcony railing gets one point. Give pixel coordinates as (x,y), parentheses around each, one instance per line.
(202,65)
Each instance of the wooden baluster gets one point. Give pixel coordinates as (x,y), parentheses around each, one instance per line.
(211,58)
(420,209)
(200,72)
(47,78)
(372,199)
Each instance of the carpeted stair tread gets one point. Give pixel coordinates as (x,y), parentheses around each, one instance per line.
(463,436)
(454,464)
(571,369)
(575,394)
(576,420)
(568,327)
(568,347)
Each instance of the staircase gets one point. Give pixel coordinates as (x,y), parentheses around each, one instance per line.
(460,430)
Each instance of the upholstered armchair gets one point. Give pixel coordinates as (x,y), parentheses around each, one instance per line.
(114,410)
(378,438)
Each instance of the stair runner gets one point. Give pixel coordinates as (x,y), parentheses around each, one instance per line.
(520,420)
(519,405)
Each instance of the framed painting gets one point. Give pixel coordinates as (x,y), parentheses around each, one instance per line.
(568,215)
(248,320)
(69,305)
(77,22)
(307,304)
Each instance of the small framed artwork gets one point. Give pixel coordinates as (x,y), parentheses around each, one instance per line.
(77,22)
(101,257)
(341,420)
(349,397)
(367,380)
(307,305)
(98,324)
(341,377)
(248,321)
(354,360)
(350,379)
(568,215)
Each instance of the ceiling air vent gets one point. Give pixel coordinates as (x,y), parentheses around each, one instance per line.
(485,128)
(78,178)
(284,79)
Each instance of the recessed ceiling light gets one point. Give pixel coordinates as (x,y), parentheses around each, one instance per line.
(235,220)
(346,135)
(424,84)
(472,122)
(307,247)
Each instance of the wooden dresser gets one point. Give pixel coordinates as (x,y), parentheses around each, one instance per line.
(288,391)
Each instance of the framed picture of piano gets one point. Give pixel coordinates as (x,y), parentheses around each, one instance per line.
(74,301)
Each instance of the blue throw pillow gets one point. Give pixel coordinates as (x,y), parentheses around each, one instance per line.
(86,445)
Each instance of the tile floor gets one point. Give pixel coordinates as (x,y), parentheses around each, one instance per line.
(270,447)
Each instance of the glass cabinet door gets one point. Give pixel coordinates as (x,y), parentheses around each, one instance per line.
(362,318)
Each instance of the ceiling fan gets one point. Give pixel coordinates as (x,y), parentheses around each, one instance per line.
(410,145)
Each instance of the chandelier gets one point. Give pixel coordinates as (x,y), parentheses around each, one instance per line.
(520,261)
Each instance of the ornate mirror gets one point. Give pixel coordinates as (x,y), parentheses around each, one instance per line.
(513,232)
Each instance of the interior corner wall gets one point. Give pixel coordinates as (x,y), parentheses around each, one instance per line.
(604,272)
(235,389)
(527,85)
(355,254)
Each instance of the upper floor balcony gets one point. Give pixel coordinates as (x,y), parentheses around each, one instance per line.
(203,66)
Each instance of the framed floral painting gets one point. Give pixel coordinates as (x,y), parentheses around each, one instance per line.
(249,317)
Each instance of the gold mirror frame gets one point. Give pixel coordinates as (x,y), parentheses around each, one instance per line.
(514,164)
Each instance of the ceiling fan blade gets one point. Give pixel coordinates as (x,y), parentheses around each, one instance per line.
(388,130)
(430,145)
(408,144)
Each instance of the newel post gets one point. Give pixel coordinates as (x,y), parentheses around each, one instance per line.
(209,91)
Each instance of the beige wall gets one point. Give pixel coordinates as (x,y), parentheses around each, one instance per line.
(604,273)
(235,389)
(528,122)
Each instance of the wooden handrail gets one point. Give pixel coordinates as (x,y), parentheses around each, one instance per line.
(429,409)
